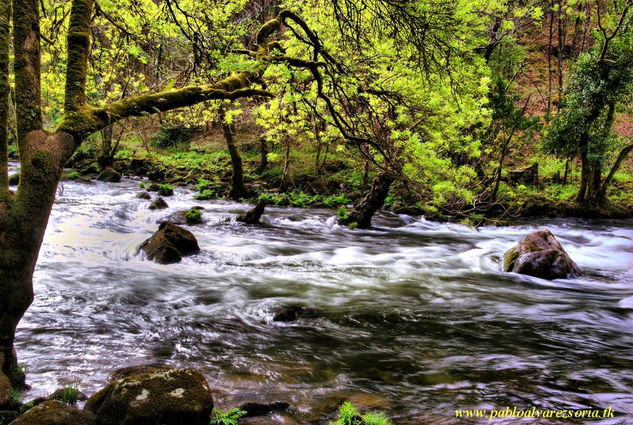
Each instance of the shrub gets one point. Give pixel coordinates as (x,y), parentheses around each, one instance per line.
(229,417)
(335,201)
(194,216)
(206,195)
(73,175)
(348,415)
(165,190)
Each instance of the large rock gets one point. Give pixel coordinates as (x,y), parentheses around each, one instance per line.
(166,397)
(109,175)
(539,254)
(55,413)
(169,244)
(158,204)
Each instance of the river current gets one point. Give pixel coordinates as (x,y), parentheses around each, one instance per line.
(411,317)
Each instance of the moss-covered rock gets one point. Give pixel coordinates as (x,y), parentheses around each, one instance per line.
(144,195)
(166,397)
(158,204)
(539,254)
(55,413)
(109,175)
(169,244)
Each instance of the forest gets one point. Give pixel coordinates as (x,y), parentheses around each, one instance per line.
(328,212)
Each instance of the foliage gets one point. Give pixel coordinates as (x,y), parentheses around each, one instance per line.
(348,415)
(73,175)
(207,194)
(194,216)
(230,417)
(71,394)
(15,395)
(335,201)
(165,190)
(168,137)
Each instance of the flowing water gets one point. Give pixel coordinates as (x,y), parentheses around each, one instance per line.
(412,317)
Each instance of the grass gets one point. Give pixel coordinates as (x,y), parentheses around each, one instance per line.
(71,394)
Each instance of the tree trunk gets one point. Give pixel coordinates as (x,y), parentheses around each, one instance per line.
(238,190)
(5,17)
(263,150)
(601,194)
(106,156)
(584,178)
(373,201)
(22,225)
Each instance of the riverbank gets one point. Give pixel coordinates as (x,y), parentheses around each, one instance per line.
(337,182)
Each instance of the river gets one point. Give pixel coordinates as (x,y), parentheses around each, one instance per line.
(412,317)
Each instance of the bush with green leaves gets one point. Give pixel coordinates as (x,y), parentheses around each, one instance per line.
(348,415)
(168,137)
(194,216)
(206,195)
(165,190)
(335,201)
(230,417)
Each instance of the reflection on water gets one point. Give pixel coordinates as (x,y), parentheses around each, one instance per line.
(411,317)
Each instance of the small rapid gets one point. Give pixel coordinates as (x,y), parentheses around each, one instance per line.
(411,317)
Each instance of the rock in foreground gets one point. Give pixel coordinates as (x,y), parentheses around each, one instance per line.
(166,397)
(55,413)
(539,254)
(169,244)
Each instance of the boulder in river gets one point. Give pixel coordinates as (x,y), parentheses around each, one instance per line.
(292,312)
(55,413)
(539,254)
(158,204)
(144,195)
(109,175)
(166,397)
(169,244)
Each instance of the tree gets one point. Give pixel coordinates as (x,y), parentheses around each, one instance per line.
(602,80)
(43,153)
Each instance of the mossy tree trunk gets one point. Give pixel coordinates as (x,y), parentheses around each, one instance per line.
(372,202)
(238,190)
(24,216)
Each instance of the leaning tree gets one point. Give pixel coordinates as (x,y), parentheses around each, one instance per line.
(43,152)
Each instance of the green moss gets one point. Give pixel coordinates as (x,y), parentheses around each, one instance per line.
(165,190)
(348,415)
(206,195)
(194,216)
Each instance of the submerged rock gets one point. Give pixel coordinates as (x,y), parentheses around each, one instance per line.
(169,244)
(158,204)
(253,215)
(539,254)
(109,175)
(144,195)
(6,416)
(290,313)
(166,397)
(55,413)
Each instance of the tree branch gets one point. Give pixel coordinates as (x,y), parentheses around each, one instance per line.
(27,67)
